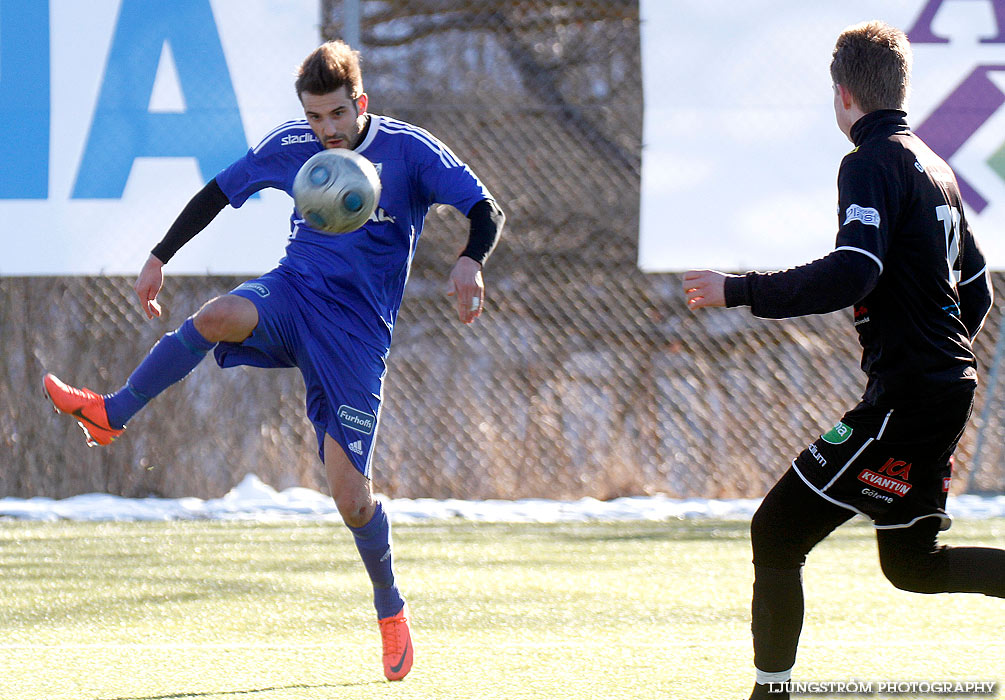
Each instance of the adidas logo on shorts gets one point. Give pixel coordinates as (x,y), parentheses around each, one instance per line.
(357,447)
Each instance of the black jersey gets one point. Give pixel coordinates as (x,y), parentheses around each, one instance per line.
(905,258)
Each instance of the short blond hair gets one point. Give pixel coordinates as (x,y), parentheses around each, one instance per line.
(873,61)
(329,67)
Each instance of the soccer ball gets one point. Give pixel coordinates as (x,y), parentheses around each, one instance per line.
(336,190)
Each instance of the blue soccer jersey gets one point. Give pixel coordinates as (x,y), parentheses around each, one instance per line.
(360,275)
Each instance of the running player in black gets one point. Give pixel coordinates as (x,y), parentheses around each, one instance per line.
(907,262)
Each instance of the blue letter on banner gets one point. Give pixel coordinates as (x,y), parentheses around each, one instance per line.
(124,129)
(24,99)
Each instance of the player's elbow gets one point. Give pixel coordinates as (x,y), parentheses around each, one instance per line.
(500,215)
(974,313)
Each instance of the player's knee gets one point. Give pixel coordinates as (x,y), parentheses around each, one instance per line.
(760,529)
(911,571)
(355,512)
(774,546)
(226,318)
(355,505)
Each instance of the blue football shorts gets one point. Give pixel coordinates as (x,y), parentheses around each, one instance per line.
(344,376)
(893,465)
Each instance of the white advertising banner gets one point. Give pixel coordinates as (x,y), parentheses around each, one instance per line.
(116,112)
(740,146)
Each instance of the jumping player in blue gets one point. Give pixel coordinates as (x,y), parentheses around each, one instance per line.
(328,308)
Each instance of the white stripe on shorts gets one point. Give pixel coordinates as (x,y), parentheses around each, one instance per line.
(879,435)
(843,469)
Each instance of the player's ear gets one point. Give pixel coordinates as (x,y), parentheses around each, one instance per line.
(847,99)
(361,103)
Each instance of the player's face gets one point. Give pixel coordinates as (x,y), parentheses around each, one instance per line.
(335,118)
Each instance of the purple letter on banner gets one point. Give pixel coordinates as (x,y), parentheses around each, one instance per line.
(921,32)
(957,119)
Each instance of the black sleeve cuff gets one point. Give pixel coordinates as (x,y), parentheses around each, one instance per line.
(487,221)
(201,209)
(737,290)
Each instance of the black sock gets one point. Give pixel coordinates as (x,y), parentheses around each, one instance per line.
(777,617)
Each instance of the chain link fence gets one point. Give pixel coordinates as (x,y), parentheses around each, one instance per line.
(584,377)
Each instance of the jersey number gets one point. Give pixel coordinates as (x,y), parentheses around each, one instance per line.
(950,218)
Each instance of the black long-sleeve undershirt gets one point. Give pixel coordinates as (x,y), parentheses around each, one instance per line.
(833,282)
(976,298)
(201,209)
(487,221)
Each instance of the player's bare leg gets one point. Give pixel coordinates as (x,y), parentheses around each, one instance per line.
(351,491)
(365,518)
(226,319)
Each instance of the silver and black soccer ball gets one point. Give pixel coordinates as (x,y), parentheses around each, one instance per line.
(336,190)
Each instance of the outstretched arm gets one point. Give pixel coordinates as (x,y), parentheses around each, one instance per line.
(833,282)
(466,283)
(201,209)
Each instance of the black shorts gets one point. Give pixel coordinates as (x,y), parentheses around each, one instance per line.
(891,465)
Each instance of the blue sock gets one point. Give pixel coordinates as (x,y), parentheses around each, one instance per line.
(373,541)
(169,361)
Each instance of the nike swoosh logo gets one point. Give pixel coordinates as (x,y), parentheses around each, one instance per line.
(79,414)
(401,661)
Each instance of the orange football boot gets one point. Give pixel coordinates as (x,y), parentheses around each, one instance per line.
(84,406)
(397,640)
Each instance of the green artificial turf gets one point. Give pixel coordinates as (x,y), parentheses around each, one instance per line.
(152,611)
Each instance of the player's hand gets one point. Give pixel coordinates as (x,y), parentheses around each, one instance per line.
(148,286)
(704,288)
(468,289)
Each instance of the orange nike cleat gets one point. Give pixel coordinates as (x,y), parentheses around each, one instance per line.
(397,640)
(84,406)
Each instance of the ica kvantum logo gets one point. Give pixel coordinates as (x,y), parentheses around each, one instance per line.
(970,104)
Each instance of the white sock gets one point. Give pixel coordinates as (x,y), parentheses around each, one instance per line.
(763,677)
